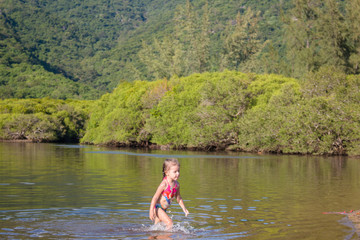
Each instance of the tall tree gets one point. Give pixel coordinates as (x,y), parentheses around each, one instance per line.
(162,58)
(316,36)
(192,30)
(184,52)
(203,48)
(242,42)
(271,61)
(331,34)
(353,26)
(300,36)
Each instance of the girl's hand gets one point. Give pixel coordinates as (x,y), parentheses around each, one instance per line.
(151,215)
(186,212)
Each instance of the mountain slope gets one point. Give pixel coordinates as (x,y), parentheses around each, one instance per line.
(96,42)
(22,75)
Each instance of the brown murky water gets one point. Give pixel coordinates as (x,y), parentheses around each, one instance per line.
(86,192)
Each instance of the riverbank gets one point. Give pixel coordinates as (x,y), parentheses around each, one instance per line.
(154,146)
(17,141)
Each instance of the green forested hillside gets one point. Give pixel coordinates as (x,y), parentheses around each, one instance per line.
(23,75)
(97,43)
(82,49)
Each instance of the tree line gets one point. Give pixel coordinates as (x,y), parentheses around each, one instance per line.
(227,110)
(233,111)
(316,33)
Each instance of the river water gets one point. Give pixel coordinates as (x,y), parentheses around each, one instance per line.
(55,191)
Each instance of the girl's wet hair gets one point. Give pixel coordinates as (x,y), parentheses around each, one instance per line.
(168,163)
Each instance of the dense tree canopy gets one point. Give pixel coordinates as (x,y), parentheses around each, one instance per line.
(235,111)
(97,44)
(88,45)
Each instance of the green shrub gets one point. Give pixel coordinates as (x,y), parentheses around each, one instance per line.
(318,119)
(43,120)
(199,111)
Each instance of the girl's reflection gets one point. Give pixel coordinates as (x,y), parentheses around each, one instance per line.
(163,235)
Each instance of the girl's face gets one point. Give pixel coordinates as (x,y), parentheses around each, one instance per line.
(173,172)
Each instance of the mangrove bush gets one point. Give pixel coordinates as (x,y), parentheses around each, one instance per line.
(43,120)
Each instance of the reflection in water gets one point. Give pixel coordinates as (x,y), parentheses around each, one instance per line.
(169,155)
(84,192)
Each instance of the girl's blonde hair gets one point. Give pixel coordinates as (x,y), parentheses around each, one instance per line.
(169,163)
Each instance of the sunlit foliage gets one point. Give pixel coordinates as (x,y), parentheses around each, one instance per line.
(43,120)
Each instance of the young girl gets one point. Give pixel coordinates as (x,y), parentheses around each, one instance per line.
(168,189)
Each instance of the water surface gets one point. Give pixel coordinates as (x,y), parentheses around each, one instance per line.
(85,192)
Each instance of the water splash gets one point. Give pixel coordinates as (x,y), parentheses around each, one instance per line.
(181,227)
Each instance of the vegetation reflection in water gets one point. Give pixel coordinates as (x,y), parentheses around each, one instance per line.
(52,191)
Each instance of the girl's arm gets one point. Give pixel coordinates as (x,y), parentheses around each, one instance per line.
(181,202)
(155,199)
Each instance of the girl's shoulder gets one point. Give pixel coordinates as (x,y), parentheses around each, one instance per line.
(177,184)
(163,183)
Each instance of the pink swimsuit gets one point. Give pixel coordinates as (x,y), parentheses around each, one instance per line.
(169,193)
